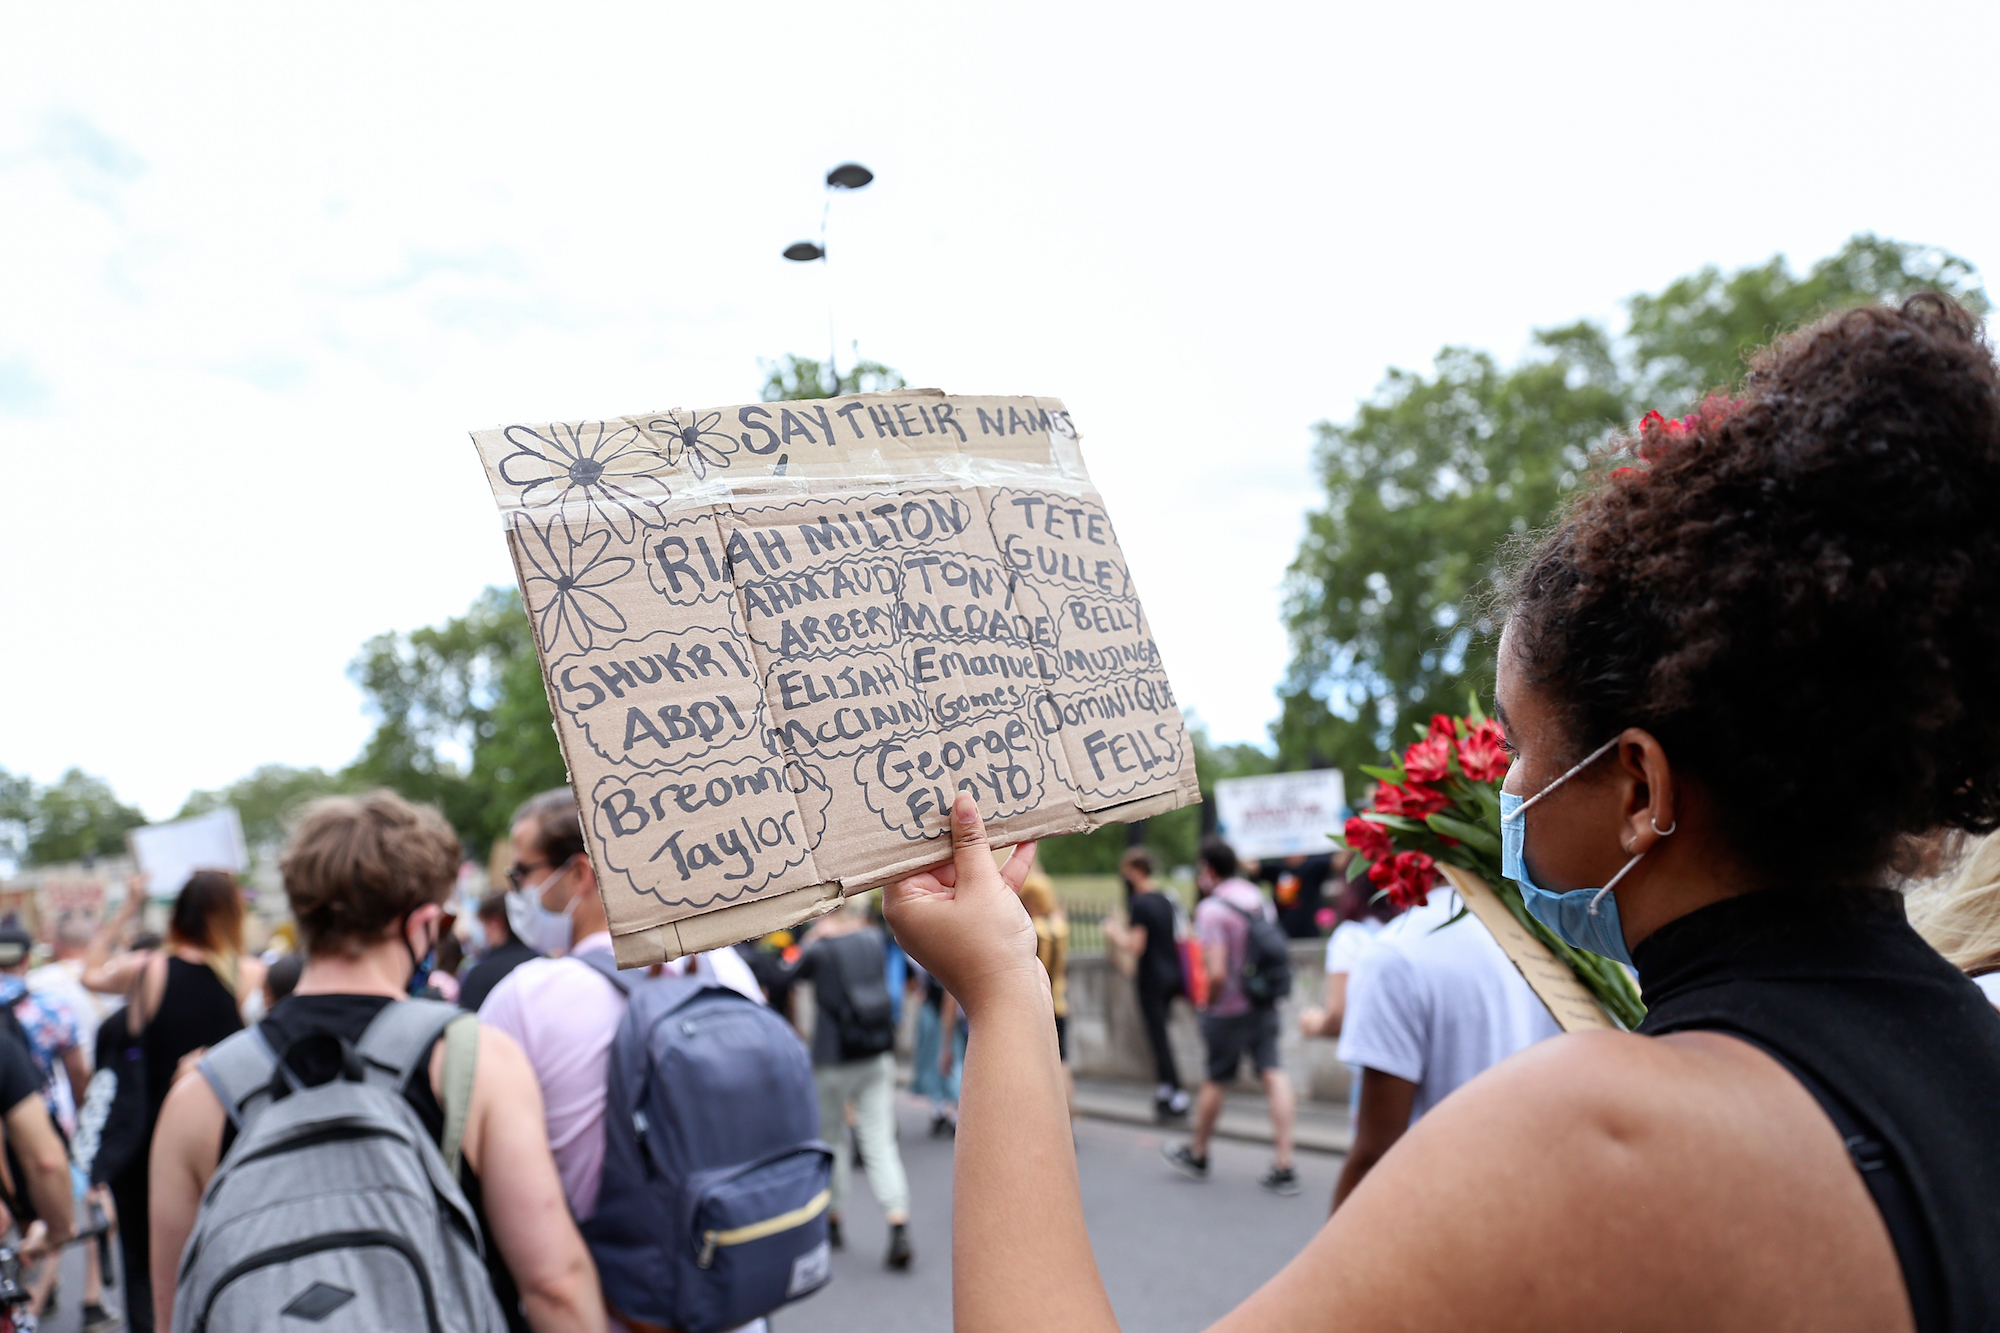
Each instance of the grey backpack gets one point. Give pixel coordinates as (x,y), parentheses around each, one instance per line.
(334,1207)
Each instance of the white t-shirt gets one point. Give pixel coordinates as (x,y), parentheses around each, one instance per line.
(1437,1004)
(1990,983)
(1349,941)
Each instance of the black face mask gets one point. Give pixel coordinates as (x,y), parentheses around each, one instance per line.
(420,968)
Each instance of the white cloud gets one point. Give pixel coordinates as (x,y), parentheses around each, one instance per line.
(266,265)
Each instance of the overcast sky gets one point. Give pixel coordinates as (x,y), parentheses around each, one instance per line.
(262,267)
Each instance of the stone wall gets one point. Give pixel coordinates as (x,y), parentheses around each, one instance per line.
(1107,1038)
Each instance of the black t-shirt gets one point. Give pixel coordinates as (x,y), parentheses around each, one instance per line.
(857,959)
(489,971)
(19,1080)
(1160,962)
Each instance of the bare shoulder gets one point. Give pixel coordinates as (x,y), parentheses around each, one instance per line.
(1607,1180)
(191,1121)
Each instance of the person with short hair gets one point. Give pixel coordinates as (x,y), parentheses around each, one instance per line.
(504,952)
(1148,938)
(366,877)
(1233,1028)
(844,959)
(561,1011)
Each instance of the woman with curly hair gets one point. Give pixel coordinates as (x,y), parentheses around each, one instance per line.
(1736,674)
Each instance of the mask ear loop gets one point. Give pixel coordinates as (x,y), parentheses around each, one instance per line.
(1663,832)
(1575,769)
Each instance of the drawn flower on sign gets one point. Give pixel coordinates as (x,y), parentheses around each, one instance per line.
(584,465)
(561,591)
(694,439)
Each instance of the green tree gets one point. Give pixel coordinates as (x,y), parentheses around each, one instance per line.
(1696,334)
(462,716)
(265,799)
(799,377)
(76,818)
(1436,473)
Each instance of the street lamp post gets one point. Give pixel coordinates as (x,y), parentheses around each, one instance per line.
(843,179)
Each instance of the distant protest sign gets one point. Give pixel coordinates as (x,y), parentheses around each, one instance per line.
(168,853)
(779,638)
(1281,814)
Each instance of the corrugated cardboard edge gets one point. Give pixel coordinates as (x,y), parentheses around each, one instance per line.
(753,920)
(1568,1000)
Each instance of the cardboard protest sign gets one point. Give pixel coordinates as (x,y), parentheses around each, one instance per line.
(168,853)
(779,638)
(1281,814)
(1567,999)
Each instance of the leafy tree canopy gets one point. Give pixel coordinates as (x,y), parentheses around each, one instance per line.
(1437,472)
(266,799)
(76,818)
(463,718)
(798,377)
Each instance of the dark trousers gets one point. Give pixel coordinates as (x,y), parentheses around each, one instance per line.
(129,1192)
(1153,1002)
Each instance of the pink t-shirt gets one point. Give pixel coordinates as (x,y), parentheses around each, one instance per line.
(563,1012)
(1215,923)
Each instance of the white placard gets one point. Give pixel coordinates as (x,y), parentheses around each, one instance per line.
(1280,815)
(168,853)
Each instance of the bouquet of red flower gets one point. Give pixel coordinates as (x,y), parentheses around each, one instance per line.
(1441,802)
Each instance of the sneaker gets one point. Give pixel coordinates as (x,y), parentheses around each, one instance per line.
(942,1124)
(833,1237)
(900,1253)
(1170,1108)
(97,1319)
(1183,1160)
(1281,1180)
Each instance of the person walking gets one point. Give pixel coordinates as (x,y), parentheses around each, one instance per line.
(1233,1028)
(366,876)
(854,1065)
(185,996)
(939,1057)
(1723,628)
(1150,939)
(1432,1004)
(561,1011)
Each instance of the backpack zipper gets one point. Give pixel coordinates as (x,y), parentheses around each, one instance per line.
(339,1240)
(770,1226)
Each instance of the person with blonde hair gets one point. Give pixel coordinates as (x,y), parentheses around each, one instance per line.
(1960,914)
(1038,895)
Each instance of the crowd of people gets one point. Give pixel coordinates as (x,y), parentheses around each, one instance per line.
(489,1123)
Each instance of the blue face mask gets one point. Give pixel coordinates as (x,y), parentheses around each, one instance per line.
(1582,918)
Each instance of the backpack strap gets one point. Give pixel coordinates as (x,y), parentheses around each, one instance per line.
(461,1062)
(238,1070)
(607,967)
(397,1043)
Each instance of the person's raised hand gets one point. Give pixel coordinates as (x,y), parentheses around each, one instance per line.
(963,920)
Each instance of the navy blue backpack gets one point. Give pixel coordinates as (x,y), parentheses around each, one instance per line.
(712,1210)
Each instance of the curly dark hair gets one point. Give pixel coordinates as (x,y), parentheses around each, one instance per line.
(1800,596)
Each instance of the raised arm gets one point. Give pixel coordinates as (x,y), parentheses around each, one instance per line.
(1021,1257)
(99,973)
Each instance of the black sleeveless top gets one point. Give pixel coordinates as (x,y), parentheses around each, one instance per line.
(196,1010)
(1899,1048)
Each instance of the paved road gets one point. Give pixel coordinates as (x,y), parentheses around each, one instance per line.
(1176,1254)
